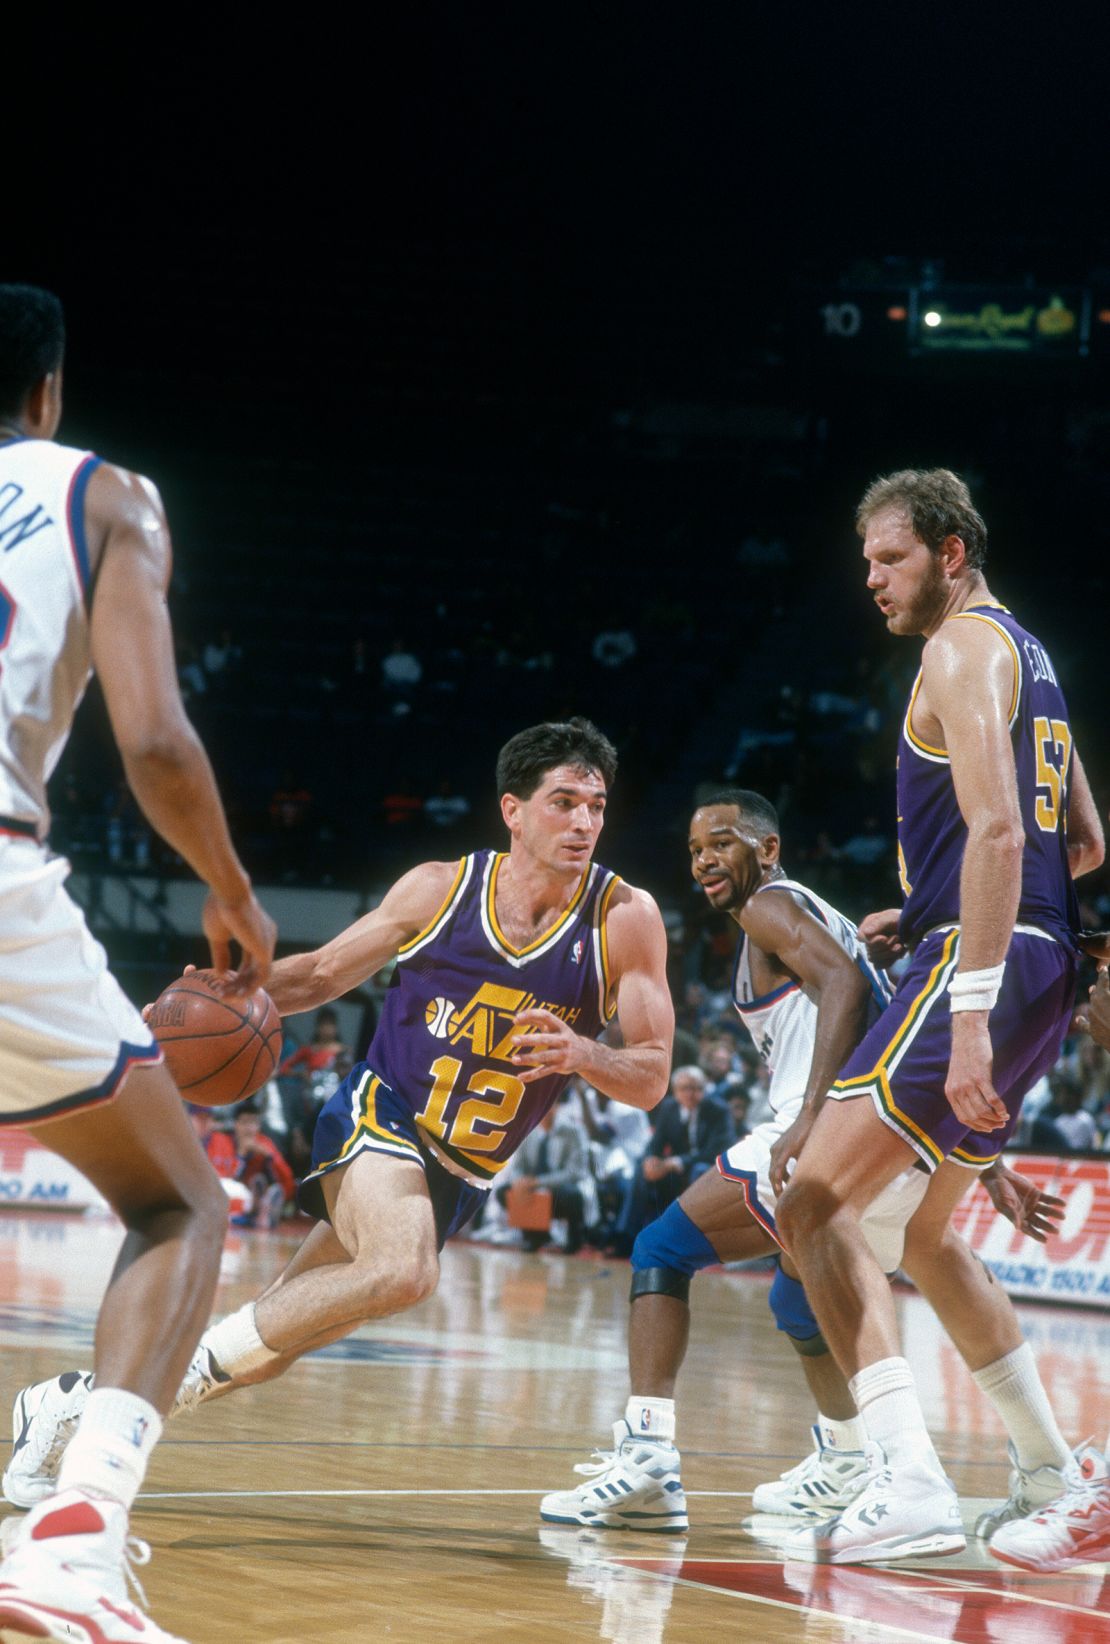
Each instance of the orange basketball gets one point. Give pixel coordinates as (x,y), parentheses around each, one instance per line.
(218,1051)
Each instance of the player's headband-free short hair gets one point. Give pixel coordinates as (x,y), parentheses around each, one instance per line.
(32,342)
(753,807)
(937,504)
(527,757)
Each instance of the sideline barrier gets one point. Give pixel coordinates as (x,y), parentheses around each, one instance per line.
(33,1177)
(1074,1265)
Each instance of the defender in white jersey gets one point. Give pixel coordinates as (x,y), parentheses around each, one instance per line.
(84,564)
(806,991)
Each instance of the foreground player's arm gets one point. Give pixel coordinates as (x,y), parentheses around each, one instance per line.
(1086,841)
(637,1072)
(305,981)
(968,680)
(166,767)
(808,952)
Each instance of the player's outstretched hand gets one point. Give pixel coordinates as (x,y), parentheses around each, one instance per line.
(1022,1202)
(247,923)
(969,1086)
(788,1148)
(1096,943)
(1094,1016)
(880,933)
(546,1045)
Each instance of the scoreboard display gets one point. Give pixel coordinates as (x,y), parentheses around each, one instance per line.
(873,326)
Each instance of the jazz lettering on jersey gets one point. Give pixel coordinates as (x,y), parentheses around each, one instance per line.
(18,522)
(487,1021)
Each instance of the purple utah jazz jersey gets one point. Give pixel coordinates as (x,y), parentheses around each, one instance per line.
(932,832)
(444,1041)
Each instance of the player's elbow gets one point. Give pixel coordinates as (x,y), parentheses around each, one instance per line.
(157,748)
(1087,853)
(1001,833)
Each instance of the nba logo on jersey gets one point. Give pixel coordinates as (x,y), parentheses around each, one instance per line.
(576,952)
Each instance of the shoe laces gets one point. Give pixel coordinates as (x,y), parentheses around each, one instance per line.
(600,1462)
(136,1553)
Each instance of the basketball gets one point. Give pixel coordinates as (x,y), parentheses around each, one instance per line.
(219,1051)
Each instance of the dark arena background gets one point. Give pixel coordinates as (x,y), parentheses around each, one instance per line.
(520,364)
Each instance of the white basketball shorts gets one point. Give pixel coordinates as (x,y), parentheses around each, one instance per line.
(68,1033)
(748,1163)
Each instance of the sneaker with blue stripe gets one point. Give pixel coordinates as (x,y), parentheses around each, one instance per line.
(635,1486)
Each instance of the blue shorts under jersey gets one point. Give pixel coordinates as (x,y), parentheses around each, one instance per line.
(365,1116)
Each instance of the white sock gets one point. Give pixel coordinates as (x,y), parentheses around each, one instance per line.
(651,1418)
(1013,1385)
(887,1401)
(841,1435)
(108,1453)
(235,1344)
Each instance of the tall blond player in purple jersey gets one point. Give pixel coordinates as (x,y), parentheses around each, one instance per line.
(508,965)
(995,821)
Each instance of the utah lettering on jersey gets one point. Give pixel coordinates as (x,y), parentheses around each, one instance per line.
(487,1022)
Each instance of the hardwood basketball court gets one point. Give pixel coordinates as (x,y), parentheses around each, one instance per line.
(388,1488)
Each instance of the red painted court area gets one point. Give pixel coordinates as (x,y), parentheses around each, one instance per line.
(972,1607)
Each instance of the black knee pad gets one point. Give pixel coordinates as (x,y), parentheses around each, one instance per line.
(660,1281)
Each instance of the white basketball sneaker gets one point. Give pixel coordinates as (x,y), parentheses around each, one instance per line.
(1073,1529)
(634,1486)
(44,1418)
(65,1575)
(909,1513)
(202,1380)
(825,1482)
(1029,1489)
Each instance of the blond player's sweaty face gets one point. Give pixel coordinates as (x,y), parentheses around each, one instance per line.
(904,575)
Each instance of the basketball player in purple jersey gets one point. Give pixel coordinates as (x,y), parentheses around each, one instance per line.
(508,966)
(86,556)
(995,820)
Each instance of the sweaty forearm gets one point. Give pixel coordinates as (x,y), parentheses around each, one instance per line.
(174,788)
(637,1075)
(990,890)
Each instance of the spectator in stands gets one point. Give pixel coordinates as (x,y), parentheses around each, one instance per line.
(1074,1124)
(619,1136)
(306,1078)
(739,1105)
(401,670)
(691,1129)
(217,1141)
(220,656)
(445,808)
(262,1171)
(402,805)
(555,1157)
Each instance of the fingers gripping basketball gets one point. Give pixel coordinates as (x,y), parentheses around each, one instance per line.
(218,1051)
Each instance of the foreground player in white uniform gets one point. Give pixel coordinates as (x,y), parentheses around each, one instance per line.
(70,1042)
(804,989)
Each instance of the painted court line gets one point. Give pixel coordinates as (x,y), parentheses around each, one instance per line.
(270,1495)
(968,1584)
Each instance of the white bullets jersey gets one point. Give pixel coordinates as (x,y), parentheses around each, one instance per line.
(783,1023)
(44,626)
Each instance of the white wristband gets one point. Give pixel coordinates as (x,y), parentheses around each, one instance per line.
(975,989)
